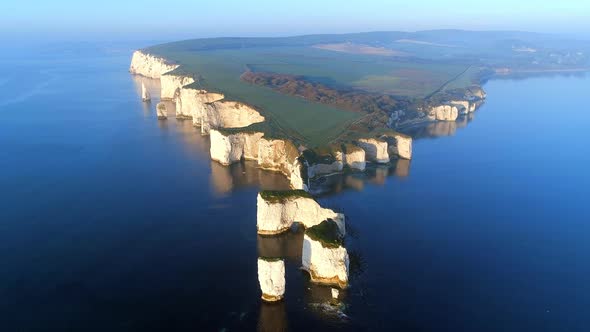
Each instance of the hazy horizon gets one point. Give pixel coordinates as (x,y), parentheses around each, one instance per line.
(156,38)
(111,20)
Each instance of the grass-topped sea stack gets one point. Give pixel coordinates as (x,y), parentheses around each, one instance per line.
(324,255)
(278,210)
(161,111)
(271,276)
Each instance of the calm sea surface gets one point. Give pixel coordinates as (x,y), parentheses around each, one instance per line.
(113,221)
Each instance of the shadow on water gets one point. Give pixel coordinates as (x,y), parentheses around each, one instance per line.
(273,317)
(357,181)
(288,245)
(439,128)
(225,179)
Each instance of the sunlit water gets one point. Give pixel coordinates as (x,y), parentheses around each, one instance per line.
(113,220)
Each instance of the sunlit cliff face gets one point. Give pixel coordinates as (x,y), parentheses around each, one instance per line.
(212,113)
(149,66)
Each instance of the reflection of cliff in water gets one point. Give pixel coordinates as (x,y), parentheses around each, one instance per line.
(373,175)
(273,317)
(439,128)
(152,86)
(225,179)
(288,245)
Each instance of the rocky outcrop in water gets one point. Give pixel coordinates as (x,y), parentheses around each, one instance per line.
(170,85)
(161,111)
(281,156)
(209,110)
(355,157)
(463,106)
(149,66)
(334,160)
(277,211)
(398,145)
(450,110)
(271,277)
(378,150)
(375,150)
(271,154)
(213,113)
(228,114)
(227,148)
(322,169)
(322,253)
(145,95)
(443,113)
(324,257)
(192,104)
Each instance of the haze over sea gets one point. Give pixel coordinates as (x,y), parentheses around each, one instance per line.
(113,220)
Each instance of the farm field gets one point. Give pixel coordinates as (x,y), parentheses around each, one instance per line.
(408,67)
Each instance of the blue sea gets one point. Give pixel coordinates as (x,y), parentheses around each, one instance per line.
(114,221)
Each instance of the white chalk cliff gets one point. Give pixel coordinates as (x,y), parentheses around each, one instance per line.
(149,66)
(325,265)
(271,154)
(161,111)
(443,113)
(275,216)
(451,110)
(271,276)
(281,156)
(228,148)
(145,95)
(323,168)
(352,156)
(207,110)
(228,114)
(170,85)
(192,104)
(375,150)
(463,106)
(398,145)
(355,157)
(349,155)
(212,113)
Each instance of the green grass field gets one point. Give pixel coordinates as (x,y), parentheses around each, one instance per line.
(429,63)
(304,121)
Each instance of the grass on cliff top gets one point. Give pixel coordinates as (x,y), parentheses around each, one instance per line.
(436,63)
(270,259)
(289,117)
(266,127)
(376,133)
(326,233)
(217,65)
(321,155)
(327,154)
(349,148)
(278,196)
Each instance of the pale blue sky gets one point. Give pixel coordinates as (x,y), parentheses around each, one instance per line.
(192,18)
